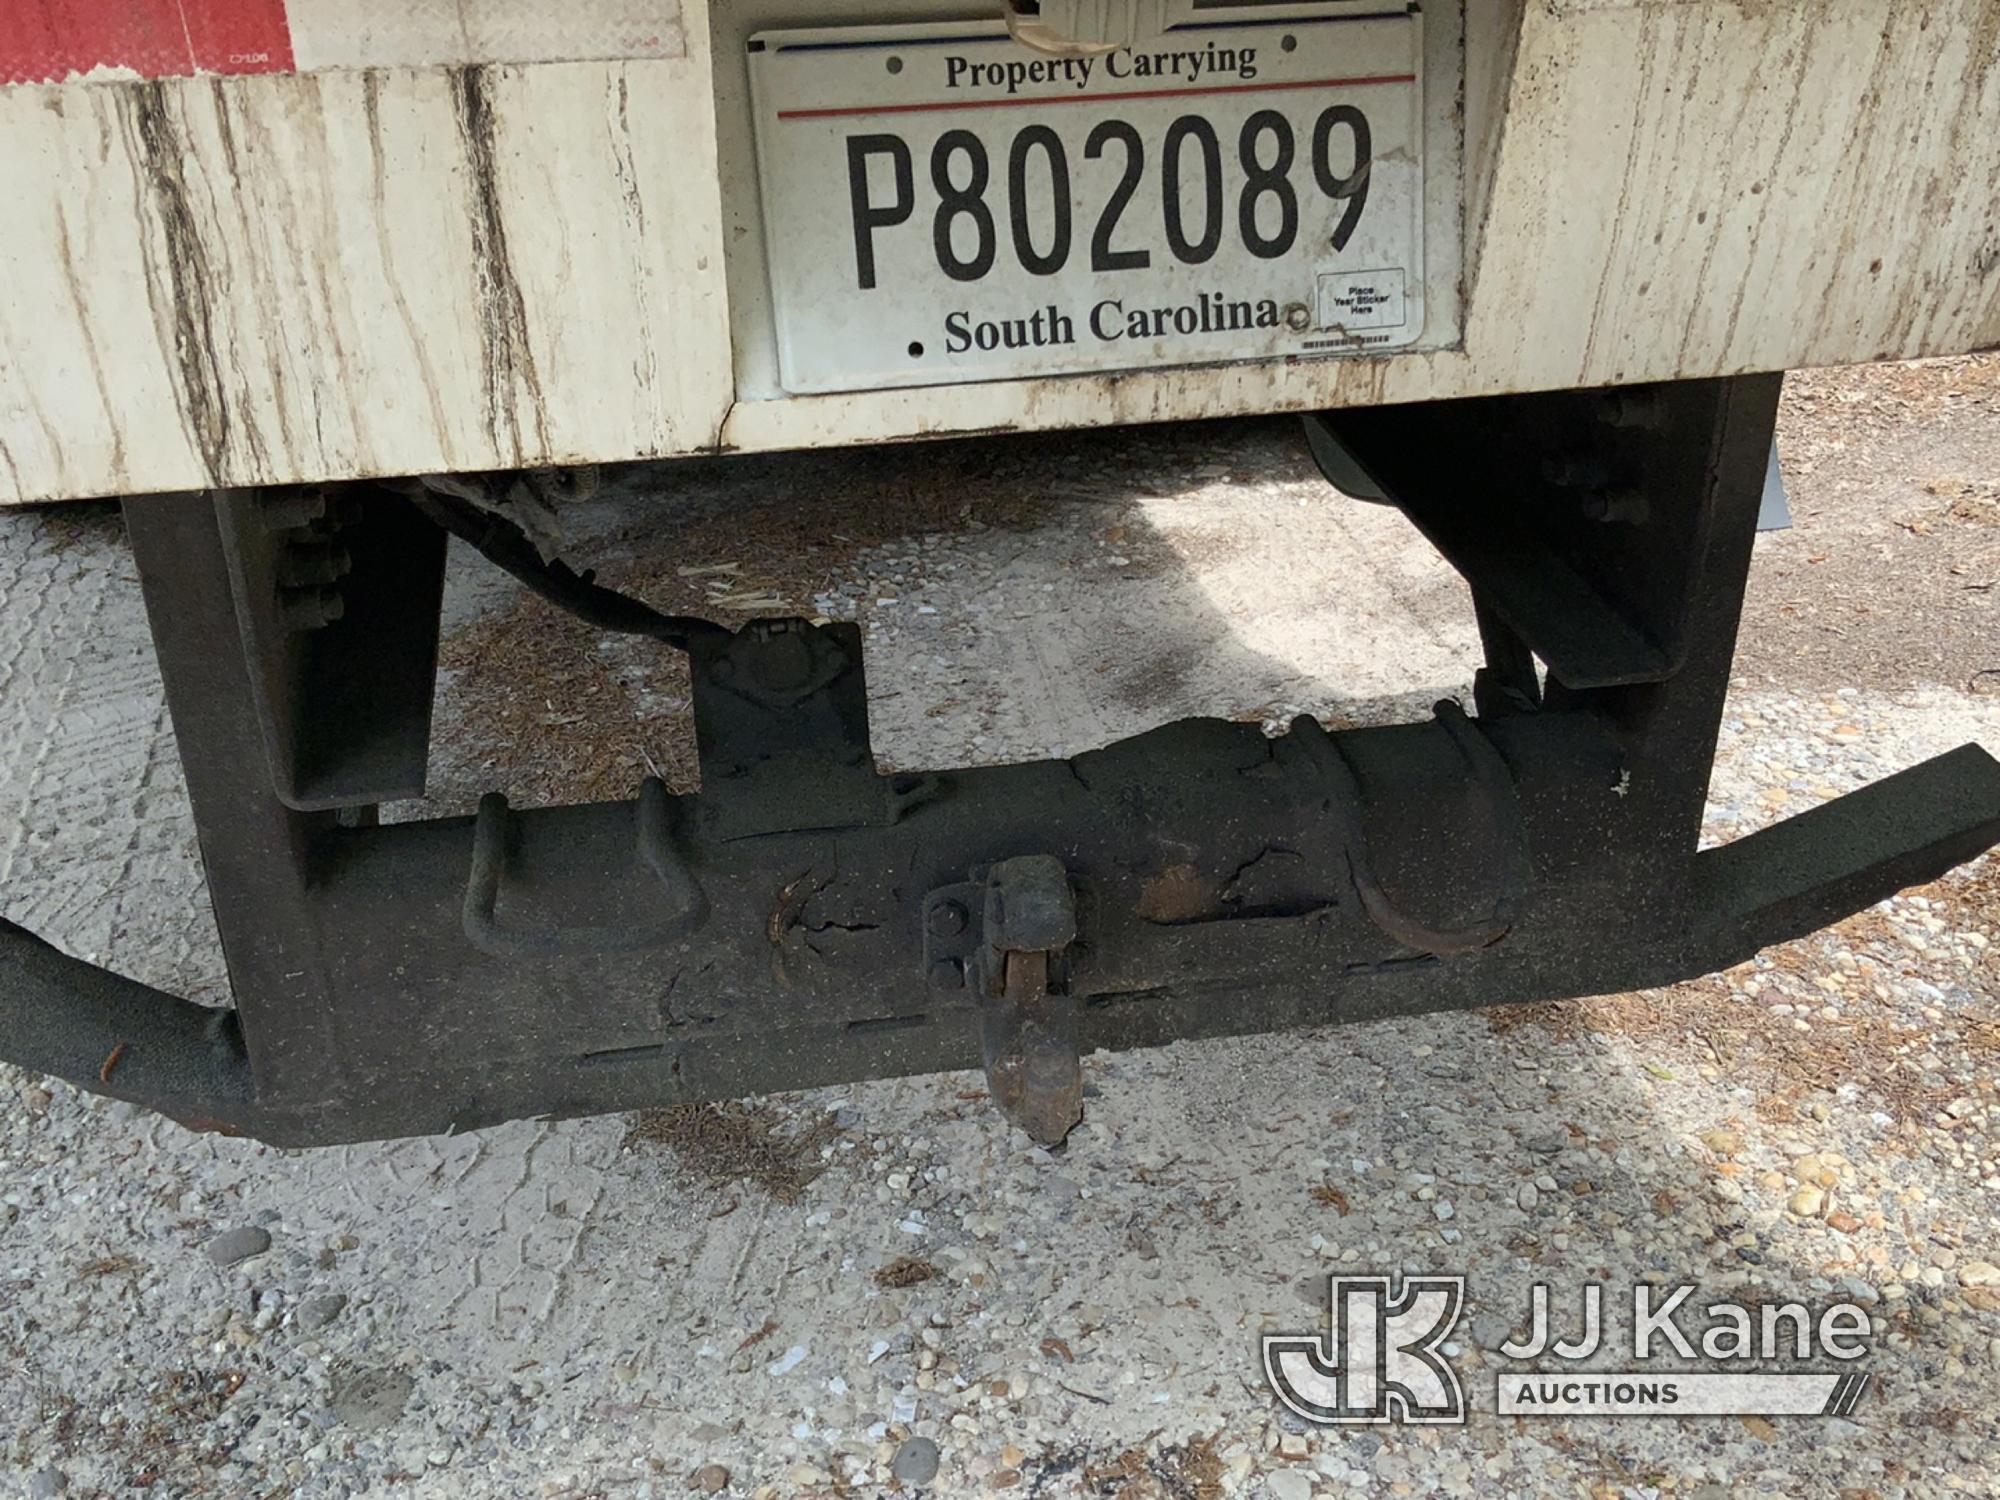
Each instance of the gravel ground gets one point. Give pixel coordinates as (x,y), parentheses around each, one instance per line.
(856,1290)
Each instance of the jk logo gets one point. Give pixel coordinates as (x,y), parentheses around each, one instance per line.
(1380,1361)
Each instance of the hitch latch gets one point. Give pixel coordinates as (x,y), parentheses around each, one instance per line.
(1012,966)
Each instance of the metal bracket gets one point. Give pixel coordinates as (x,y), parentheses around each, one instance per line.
(1026,904)
(1587,533)
(781,727)
(1498,844)
(1027,1019)
(1211,880)
(681,909)
(337,598)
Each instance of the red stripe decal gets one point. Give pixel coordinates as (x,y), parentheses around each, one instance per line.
(47,41)
(239,36)
(1187,93)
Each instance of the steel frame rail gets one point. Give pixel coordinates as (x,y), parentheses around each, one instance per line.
(804,920)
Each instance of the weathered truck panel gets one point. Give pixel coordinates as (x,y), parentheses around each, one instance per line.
(478,262)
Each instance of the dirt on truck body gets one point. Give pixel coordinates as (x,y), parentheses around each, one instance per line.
(321,301)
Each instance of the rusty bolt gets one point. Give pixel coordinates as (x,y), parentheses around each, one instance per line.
(947,919)
(1298,317)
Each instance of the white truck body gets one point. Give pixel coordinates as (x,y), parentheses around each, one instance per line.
(422,243)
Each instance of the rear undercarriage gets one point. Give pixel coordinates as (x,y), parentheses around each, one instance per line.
(804,919)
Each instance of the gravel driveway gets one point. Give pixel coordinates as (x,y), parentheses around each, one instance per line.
(855,1290)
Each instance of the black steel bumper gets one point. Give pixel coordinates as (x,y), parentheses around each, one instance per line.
(804,920)
(435,1069)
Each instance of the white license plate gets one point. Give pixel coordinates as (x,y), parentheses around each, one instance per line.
(942,203)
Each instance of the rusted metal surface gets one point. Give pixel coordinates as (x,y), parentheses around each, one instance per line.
(285,278)
(1027,1016)
(804,919)
(1494,839)
(1029,1047)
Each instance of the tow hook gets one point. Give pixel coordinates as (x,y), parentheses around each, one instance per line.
(1013,965)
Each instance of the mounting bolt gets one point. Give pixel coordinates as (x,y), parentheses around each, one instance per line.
(1628,505)
(1573,470)
(1632,408)
(343,511)
(947,919)
(291,510)
(947,974)
(312,564)
(310,608)
(1298,317)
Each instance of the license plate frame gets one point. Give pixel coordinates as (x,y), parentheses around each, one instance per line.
(863,297)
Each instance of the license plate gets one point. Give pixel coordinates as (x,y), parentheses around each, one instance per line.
(942,203)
